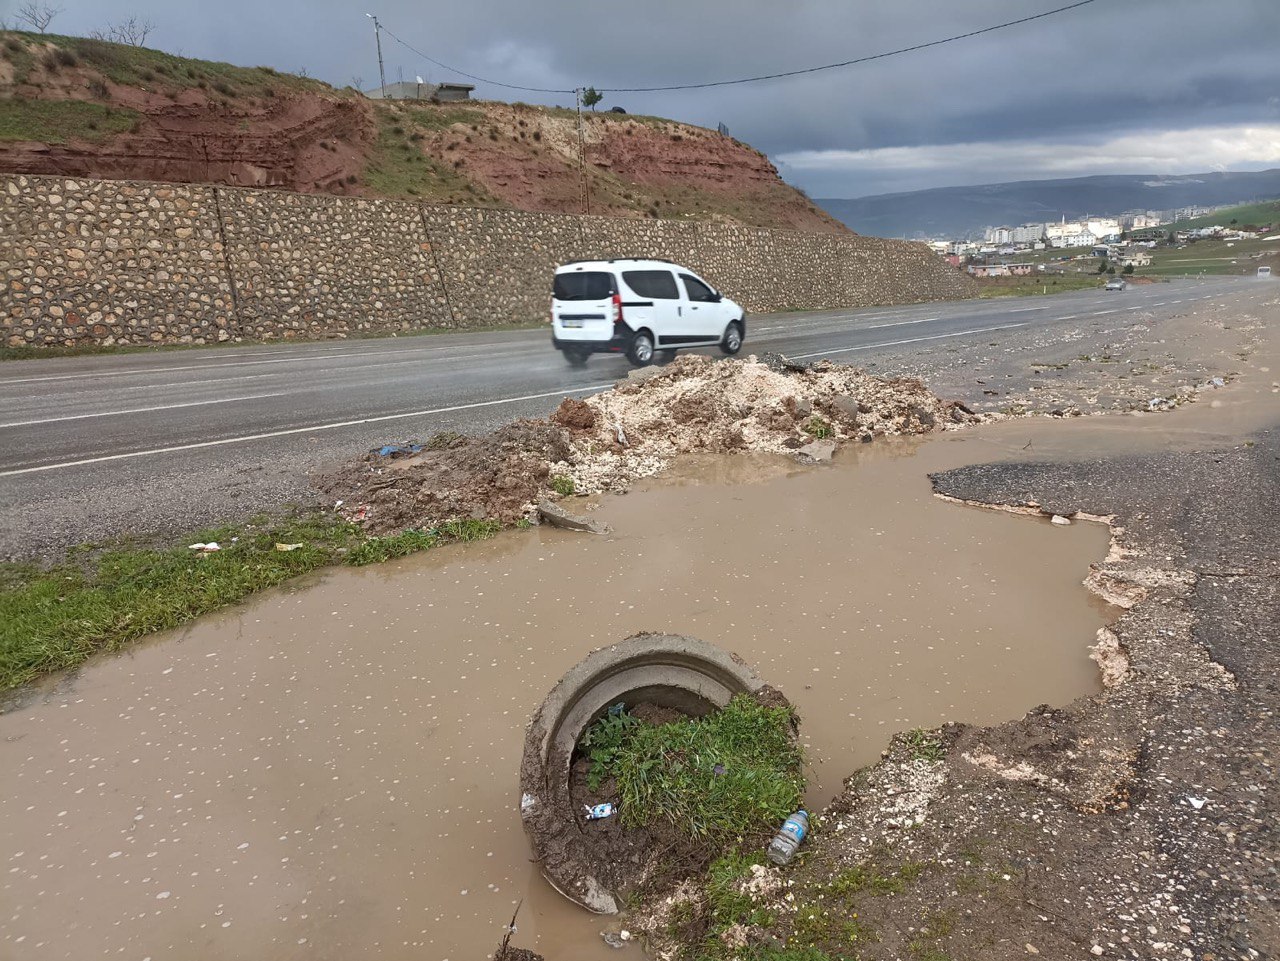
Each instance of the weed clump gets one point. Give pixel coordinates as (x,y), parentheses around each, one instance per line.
(818,428)
(924,745)
(732,774)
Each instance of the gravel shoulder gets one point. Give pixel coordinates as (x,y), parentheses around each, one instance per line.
(1137,823)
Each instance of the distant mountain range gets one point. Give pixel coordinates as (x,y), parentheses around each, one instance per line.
(959,212)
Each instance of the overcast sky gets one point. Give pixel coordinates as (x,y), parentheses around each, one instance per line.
(1117,86)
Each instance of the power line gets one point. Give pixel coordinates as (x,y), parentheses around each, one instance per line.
(759,77)
(469,76)
(845,63)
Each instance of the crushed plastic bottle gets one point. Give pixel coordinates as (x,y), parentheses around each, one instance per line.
(784,844)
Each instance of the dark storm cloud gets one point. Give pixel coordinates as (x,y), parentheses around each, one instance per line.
(1093,76)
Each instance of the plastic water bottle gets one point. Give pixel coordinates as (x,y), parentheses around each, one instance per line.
(784,843)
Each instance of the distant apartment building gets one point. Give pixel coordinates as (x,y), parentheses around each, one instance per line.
(1147,233)
(1083,233)
(1140,221)
(1068,234)
(1105,229)
(1025,234)
(1001,270)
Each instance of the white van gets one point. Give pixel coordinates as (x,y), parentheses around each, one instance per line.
(639,308)
(1264,272)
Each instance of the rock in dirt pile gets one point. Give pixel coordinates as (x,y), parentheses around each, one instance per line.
(606,441)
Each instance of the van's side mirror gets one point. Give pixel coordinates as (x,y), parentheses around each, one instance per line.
(716,296)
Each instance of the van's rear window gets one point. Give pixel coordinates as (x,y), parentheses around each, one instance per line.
(586,285)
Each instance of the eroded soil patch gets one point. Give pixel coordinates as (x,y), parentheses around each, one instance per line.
(607,441)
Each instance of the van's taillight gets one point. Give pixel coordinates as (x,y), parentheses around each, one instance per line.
(617,308)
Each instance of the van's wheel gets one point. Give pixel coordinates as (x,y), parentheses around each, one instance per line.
(731,342)
(666,356)
(640,352)
(576,356)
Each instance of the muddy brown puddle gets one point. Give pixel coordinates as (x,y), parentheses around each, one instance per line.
(330,771)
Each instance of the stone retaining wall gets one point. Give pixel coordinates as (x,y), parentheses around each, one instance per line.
(119,262)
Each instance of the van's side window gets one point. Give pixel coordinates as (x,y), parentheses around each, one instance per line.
(655,284)
(697,289)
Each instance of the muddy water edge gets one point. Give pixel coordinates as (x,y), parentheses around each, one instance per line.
(331,770)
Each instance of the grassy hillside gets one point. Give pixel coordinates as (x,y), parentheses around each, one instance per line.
(83,107)
(1080,268)
(39,55)
(1267,212)
(59,121)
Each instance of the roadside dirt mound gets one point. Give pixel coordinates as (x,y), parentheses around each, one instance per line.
(497,477)
(698,404)
(604,442)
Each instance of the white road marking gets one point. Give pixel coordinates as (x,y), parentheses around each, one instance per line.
(239,363)
(895,343)
(141,410)
(803,329)
(301,430)
(900,323)
(311,374)
(1023,310)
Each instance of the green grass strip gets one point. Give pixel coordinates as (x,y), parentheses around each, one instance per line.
(99,599)
(57,121)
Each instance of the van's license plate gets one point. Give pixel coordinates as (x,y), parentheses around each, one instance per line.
(571,323)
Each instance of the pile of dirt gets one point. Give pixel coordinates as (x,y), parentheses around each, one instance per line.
(496,477)
(604,442)
(768,406)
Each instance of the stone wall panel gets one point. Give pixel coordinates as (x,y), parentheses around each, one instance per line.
(311,266)
(107,262)
(100,262)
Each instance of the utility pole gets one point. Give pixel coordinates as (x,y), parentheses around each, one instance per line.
(377,35)
(582,155)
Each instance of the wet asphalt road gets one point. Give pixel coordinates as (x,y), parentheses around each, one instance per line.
(93,447)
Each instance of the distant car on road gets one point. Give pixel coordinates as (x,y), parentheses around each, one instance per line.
(1264,272)
(1115,284)
(639,308)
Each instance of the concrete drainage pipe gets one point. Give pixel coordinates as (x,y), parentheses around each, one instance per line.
(667,670)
